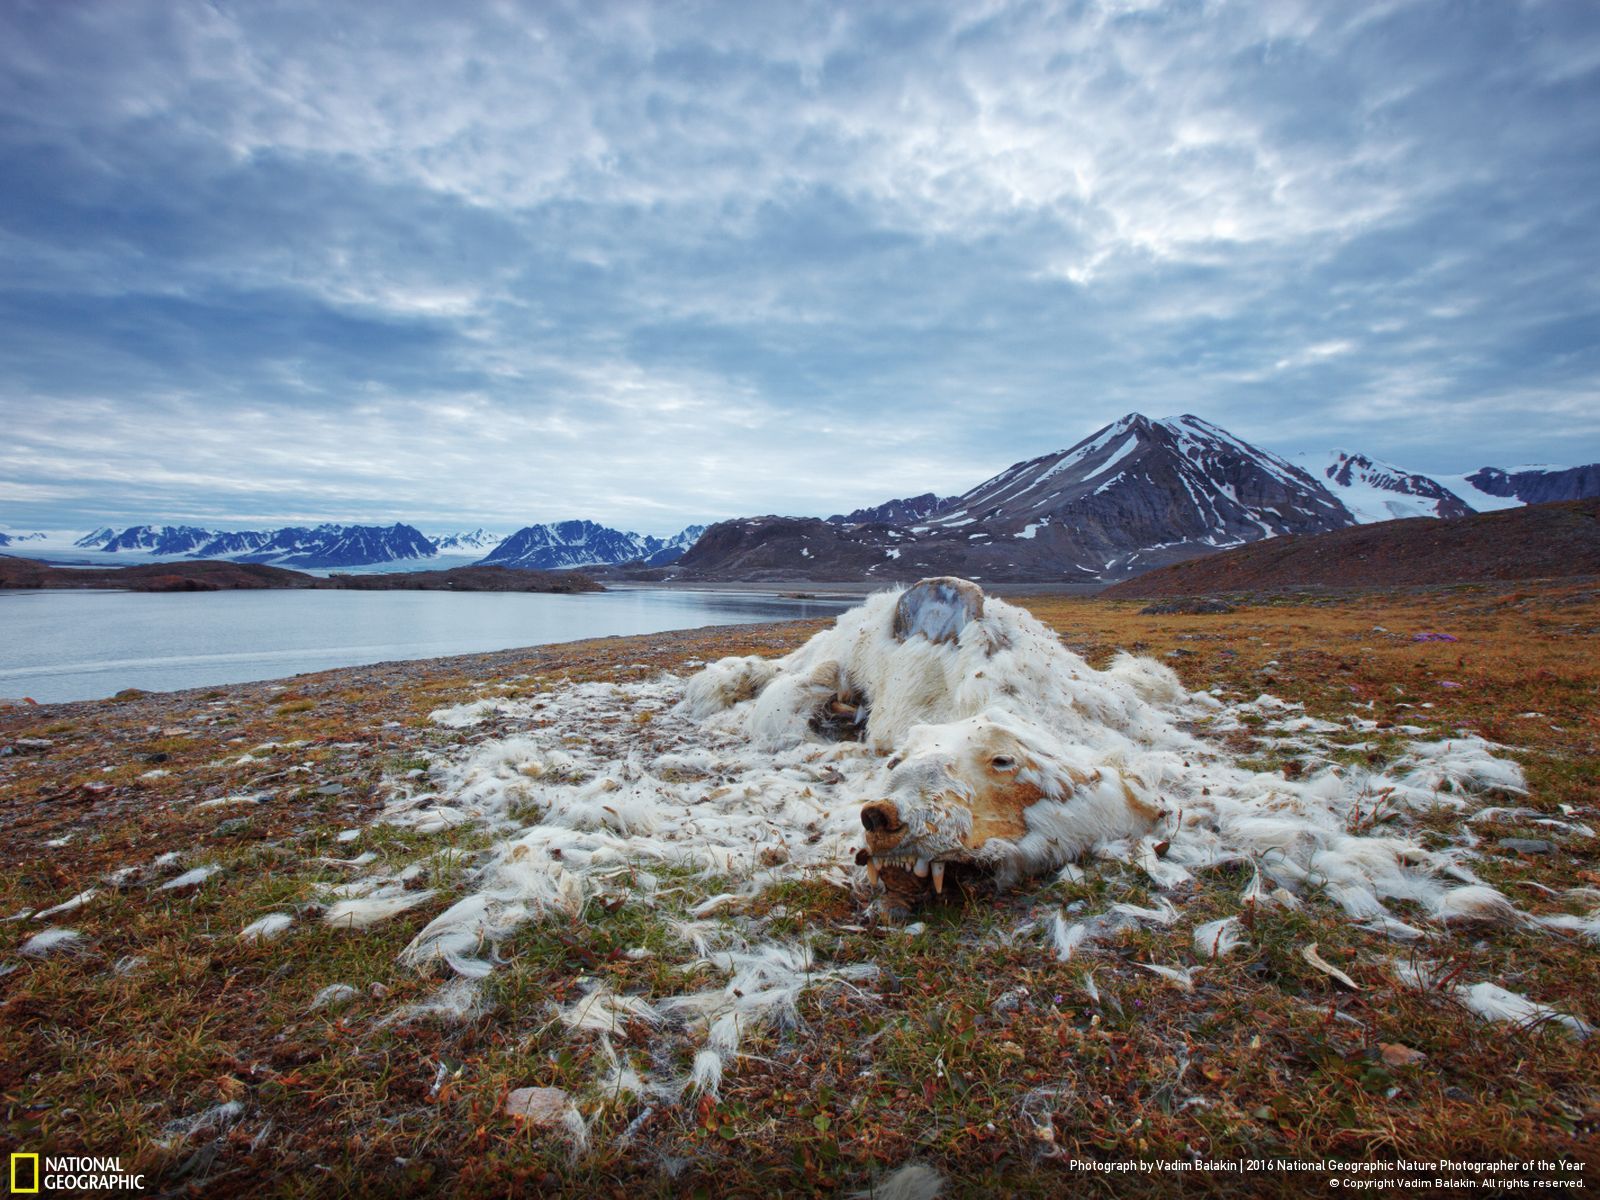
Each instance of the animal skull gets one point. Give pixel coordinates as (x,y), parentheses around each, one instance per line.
(990,792)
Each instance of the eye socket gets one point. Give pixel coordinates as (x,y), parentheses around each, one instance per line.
(1002,762)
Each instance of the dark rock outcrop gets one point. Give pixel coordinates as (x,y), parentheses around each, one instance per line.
(1539,486)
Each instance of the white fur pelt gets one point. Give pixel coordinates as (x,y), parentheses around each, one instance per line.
(1006,660)
(664,792)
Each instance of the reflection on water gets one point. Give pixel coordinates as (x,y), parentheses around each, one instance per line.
(79,645)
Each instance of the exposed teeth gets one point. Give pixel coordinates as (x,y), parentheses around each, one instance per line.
(938,877)
(922,868)
(872,871)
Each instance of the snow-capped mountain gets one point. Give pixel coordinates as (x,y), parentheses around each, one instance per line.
(1374,490)
(165,540)
(1135,494)
(476,542)
(326,545)
(1139,481)
(564,544)
(675,547)
(96,540)
(339,546)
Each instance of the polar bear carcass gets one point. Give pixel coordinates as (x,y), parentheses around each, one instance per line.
(1003,750)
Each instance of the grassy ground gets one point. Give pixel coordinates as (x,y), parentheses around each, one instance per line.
(975,1051)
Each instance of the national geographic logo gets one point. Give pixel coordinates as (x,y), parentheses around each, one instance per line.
(31,1174)
(24,1174)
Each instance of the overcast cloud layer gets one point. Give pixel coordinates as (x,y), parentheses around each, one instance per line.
(654,264)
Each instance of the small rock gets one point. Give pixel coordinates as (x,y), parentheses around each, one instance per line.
(540,1106)
(1011,1001)
(32,745)
(1527,845)
(331,789)
(1396,1055)
(334,995)
(232,826)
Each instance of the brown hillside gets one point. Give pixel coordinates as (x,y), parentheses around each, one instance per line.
(215,576)
(1538,542)
(152,577)
(468,579)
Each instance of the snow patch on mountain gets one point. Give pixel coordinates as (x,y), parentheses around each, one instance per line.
(1374,490)
(479,540)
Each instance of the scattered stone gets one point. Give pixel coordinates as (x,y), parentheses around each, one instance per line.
(31,745)
(331,789)
(334,995)
(1527,845)
(543,1107)
(1011,1001)
(1396,1055)
(232,826)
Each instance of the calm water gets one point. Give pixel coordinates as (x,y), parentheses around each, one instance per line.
(81,645)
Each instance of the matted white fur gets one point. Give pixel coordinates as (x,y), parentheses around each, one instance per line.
(265,929)
(660,792)
(51,941)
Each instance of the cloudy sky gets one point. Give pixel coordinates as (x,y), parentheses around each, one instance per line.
(669,262)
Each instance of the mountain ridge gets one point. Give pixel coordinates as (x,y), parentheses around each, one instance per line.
(1134,494)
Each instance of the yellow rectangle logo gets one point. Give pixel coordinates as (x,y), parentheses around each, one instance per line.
(24,1174)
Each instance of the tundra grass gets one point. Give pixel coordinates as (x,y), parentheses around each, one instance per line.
(974,1050)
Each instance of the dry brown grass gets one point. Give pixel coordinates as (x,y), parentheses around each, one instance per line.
(1258,1060)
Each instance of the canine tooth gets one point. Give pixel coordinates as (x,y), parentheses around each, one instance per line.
(938,877)
(872,871)
(922,868)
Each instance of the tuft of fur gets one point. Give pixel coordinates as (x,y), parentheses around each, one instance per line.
(362,911)
(914,1181)
(51,941)
(66,906)
(1215,939)
(265,929)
